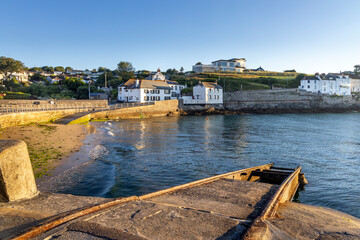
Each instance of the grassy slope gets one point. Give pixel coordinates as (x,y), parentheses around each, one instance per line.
(242,81)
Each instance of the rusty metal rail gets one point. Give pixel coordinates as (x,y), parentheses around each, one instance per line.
(285,193)
(66,217)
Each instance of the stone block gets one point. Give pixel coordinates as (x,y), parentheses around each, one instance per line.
(17,179)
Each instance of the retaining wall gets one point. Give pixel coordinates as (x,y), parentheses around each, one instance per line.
(288,100)
(22,118)
(160,108)
(79,103)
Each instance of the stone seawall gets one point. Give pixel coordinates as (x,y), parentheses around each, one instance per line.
(79,103)
(287,101)
(22,118)
(160,108)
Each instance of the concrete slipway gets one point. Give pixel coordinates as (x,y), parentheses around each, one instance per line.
(246,204)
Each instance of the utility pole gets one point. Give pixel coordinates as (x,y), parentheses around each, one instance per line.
(89,88)
(105,82)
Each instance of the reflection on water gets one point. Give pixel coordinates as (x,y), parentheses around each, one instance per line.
(153,154)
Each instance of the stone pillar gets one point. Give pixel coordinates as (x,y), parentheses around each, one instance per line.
(17,179)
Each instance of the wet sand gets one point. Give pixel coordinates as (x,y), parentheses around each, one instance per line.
(48,144)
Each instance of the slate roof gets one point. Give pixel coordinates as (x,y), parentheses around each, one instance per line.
(210,85)
(148,84)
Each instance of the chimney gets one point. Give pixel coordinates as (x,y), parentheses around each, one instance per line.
(137,83)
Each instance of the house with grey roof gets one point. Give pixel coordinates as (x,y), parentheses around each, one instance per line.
(333,84)
(205,93)
(135,90)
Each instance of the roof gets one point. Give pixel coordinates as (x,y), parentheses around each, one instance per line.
(148,84)
(310,78)
(230,60)
(210,85)
(172,82)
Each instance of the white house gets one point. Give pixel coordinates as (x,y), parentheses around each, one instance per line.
(175,86)
(205,93)
(19,76)
(175,89)
(327,84)
(135,90)
(231,65)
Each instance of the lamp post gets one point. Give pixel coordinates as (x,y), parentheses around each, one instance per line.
(89,87)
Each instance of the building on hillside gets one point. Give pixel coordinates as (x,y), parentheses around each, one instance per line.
(355,83)
(135,90)
(231,65)
(327,84)
(98,96)
(175,89)
(19,76)
(199,68)
(156,76)
(205,93)
(259,69)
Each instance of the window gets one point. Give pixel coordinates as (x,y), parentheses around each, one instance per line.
(157,98)
(308,86)
(158,91)
(147,98)
(223,64)
(167,98)
(131,97)
(172,87)
(175,87)
(308,81)
(144,98)
(232,64)
(126,90)
(210,90)
(209,96)
(144,90)
(166,91)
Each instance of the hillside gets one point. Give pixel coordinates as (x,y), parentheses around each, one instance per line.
(243,81)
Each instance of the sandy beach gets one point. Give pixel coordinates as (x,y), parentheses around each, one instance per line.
(48,144)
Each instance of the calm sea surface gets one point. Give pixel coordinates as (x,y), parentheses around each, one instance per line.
(153,154)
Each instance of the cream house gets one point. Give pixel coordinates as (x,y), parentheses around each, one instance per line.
(205,93)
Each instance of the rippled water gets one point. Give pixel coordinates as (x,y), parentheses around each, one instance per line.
(153,154)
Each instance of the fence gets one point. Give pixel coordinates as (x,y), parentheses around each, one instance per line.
(5,109)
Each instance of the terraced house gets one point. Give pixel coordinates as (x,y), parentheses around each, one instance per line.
(327,84)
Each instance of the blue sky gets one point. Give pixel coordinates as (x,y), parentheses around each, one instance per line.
(309,35)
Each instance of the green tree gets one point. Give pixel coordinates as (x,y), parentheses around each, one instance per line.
(35,69)
(37,89)
(126,70)
(125,67)
(37,77)
(83,92)
(68,69)
(59,69)
(8,66)
(101,69)
(47,69)
(198,63)
(357,68)
(182,70)
(12,84)
(115,82)
(72,83)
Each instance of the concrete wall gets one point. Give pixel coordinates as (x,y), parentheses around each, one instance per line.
(22,118)
(287,100)
(80,103)
(17,180)
(160,108)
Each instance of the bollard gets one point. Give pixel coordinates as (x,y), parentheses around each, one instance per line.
(17,180)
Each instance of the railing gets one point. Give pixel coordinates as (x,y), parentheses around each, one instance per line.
(6,109)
